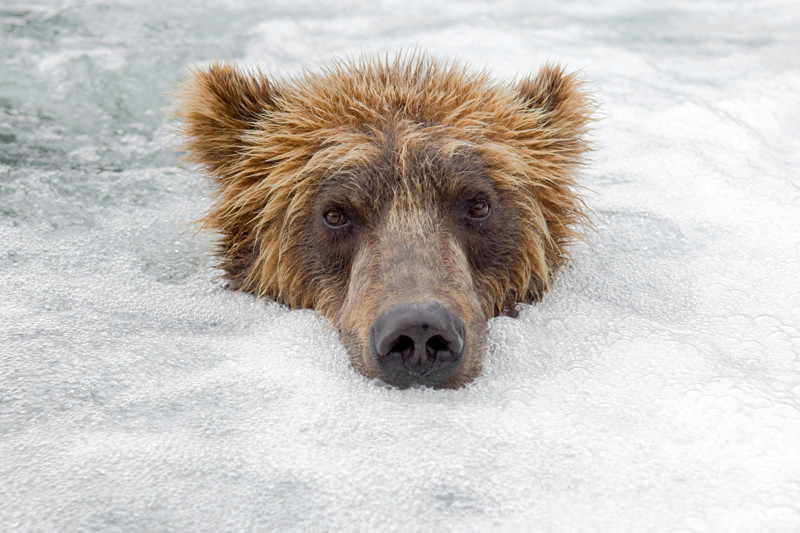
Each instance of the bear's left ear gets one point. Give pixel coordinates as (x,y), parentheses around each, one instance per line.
(563,105)
(217,107)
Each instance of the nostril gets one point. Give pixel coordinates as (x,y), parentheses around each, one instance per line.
(404,346)
(436,344)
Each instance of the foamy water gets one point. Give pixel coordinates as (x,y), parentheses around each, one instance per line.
(657,388)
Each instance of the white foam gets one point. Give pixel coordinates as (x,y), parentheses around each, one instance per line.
(657,387)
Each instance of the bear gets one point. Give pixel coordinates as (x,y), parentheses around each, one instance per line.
(406,199)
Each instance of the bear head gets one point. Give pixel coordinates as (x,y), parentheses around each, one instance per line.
(407,200)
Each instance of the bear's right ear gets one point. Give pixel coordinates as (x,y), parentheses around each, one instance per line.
(217,106)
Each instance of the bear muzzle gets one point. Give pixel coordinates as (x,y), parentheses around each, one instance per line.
(418,343)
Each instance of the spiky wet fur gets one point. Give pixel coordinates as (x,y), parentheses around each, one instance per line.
(393,135)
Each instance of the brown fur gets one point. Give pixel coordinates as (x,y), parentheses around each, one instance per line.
(399,145)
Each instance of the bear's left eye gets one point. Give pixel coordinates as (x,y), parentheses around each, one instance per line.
(479,210)
(335,218)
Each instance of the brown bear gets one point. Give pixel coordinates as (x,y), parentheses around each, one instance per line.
(406,199)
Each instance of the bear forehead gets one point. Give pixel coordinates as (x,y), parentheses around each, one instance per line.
(423,170)
(418,121)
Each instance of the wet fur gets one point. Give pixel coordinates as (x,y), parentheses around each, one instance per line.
(401,145)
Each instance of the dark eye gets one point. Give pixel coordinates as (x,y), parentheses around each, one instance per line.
(479,209)
(334,218)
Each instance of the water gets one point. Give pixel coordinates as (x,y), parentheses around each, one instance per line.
(656,388)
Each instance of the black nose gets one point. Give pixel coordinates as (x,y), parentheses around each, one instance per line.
(418,343)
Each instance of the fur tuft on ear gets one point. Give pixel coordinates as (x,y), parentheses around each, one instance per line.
(217,106)
(563,105)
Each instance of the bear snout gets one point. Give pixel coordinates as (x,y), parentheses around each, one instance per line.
(418,343)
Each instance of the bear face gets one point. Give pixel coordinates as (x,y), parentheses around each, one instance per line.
(407,200)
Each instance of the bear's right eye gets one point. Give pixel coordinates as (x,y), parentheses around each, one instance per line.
(335,218)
